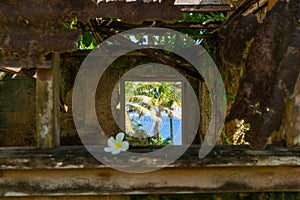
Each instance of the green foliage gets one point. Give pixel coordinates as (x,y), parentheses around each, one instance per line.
(201,35)
(161,141)
(71,25)
(86,39)
(203,18)
(229,96)
(212,17)
(135,125)
(247,127)
(227,140)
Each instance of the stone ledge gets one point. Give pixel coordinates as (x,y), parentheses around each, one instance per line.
(73,171)
(77,157)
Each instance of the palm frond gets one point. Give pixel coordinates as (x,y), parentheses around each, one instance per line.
(142,111)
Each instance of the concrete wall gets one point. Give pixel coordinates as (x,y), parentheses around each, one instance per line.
(17,110)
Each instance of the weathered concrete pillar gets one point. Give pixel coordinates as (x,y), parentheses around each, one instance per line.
(47,105)
(292,121)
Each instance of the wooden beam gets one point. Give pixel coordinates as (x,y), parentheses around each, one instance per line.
(255,7)
(161,57)
(47,105)
(271,3)
(240,8)
(206,9)
(201,2)
(117,25)
(17,71)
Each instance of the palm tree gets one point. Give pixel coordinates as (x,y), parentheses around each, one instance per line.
(154,99)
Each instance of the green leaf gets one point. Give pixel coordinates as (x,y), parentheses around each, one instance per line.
(229,95)
(87,39)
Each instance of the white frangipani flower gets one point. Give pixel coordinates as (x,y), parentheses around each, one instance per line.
(115,146)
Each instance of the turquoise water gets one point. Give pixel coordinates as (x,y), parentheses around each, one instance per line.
(148,125)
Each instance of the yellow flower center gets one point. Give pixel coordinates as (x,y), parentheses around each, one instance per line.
(118,145)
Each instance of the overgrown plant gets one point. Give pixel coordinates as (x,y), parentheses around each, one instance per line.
(86,39)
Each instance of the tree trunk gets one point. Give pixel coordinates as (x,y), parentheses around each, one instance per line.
(157,127)
(171,129)
(269,55)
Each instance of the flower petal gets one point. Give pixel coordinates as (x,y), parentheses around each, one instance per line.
(115,146)
(120,136)
(107,149)
(125,146)
(111,142)
(116,151)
